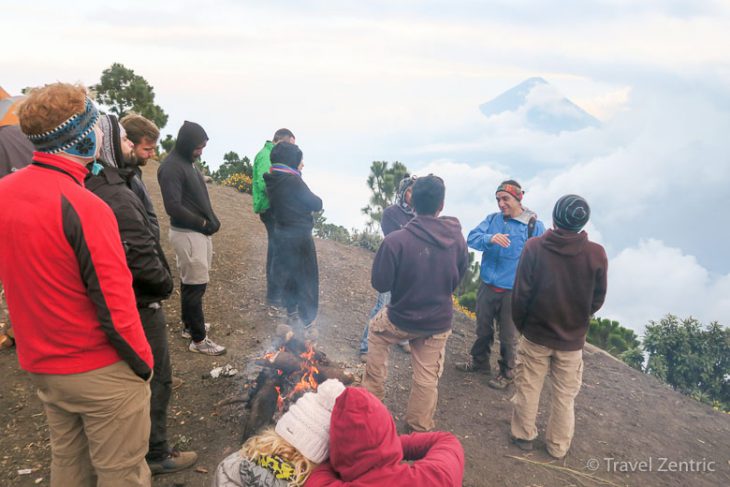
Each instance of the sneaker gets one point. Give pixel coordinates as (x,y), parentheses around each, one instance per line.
(177,382)
(405,346)
(173,462)
(186,332)
(474,367)
(500,382)
(207,347)
(524,445)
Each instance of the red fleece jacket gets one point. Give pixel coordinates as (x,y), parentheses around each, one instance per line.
(365,449)
(62,265)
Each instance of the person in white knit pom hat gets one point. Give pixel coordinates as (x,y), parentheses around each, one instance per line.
(287,454)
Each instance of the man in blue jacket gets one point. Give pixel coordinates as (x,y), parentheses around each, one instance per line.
(501,238)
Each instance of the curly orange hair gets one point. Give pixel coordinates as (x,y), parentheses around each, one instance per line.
(48,107)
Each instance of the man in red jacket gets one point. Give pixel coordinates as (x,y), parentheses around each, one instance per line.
(561,281)
(70,296)
(365,449)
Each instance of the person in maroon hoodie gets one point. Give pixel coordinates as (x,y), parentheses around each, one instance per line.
(365,449)
(70,295)
(420,265)
(560,282)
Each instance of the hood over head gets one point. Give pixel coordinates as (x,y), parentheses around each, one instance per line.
(111,145)
(189,137)
(565,242)
(442,232)
(362,435)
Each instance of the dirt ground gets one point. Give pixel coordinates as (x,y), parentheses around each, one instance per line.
(630,429)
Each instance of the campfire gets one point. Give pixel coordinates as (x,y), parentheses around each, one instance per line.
(291,369)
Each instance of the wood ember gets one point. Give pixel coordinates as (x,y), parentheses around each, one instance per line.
(295,368)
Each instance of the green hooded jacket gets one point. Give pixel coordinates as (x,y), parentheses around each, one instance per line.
(261,166)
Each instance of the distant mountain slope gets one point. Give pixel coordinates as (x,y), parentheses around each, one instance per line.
(546,109)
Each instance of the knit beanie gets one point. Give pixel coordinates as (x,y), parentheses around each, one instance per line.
(75,136)
(306,425)
(286,153)
(571,213)
(111,145)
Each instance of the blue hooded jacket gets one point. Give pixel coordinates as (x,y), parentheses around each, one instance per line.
(499,264)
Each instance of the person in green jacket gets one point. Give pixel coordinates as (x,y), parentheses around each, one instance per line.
(261,206)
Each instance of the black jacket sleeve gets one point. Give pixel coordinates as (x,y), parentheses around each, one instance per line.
(150,273)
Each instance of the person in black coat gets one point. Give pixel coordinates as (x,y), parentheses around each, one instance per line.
(296,257)
(111,180)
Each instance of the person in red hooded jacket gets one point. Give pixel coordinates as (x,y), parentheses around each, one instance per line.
(365,449)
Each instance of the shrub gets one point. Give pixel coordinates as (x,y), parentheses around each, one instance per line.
(239,181)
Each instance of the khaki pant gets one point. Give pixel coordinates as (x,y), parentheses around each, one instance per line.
(194,254)
(100,426)
(427,361)
(566,371)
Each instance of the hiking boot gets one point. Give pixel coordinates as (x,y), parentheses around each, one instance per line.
(524,445)
(500,382)
(173,462)
(186,332)
(474,367)
(364,357)
(177,382)
(405,346)
(207,347)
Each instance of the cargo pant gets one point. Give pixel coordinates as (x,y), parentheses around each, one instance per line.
(492,306)
(100,425)
(427,360)
(566,374)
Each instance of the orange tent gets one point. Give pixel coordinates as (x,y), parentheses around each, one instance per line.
(8,107)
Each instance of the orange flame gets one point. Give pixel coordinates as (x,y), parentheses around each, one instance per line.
(279,399)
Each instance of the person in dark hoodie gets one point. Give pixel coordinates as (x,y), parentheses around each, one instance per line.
(365,449)
(111,181)
(296,257)
(561,281)
(192,222)
(420,265)
(395,217)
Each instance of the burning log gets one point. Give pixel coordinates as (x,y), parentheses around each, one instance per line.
(265,401)
(289,341)
(289,363)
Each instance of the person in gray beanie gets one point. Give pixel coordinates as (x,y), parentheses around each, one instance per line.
(560,283)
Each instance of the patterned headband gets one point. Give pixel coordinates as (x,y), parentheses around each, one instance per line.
(75,136)
(515,191)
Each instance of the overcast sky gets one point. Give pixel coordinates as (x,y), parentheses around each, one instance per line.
(403,80)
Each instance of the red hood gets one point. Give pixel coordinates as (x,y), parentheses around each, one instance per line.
(362,436)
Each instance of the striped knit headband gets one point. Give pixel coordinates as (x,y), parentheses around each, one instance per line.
(75,136)
(515,191)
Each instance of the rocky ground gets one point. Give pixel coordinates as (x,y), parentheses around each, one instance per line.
(623,417)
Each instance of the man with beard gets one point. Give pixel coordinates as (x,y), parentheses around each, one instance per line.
(192,222)
(151,280)
(143,134)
